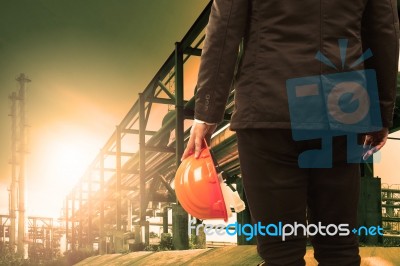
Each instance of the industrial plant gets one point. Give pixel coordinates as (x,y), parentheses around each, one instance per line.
(125,201)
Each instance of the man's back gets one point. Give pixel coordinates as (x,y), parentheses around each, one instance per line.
(281,40)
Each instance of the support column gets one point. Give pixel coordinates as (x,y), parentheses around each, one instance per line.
(66,222)
(118,235)
(180,234)
(142,168)
(138,235)
(129,203)
(370,208)
(90,213)
(367,169)
(165,220)
(80,231)
(118,176)
(370,204)
(73,219)
(180,237)
(146,233)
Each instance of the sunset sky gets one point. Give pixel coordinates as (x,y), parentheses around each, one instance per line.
(87,60)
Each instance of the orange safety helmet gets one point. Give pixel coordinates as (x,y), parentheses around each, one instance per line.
(200,190)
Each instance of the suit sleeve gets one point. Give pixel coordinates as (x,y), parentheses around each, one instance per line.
(224,32)
(381,35)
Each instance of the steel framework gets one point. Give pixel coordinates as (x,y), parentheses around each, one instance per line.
(43,239)
(122,180)
(391,208)
(120,188)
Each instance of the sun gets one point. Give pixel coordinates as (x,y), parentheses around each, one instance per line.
(59,159)
(69,159)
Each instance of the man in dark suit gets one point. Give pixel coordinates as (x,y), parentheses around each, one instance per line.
(280,42)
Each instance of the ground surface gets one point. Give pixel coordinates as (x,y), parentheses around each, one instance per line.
(231,255)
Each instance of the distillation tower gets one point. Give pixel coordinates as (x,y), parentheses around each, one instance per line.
(18,173)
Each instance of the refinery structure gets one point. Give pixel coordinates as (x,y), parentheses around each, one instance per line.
(127,190)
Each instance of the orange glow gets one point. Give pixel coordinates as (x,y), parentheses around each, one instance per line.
(387,168)
(59,160)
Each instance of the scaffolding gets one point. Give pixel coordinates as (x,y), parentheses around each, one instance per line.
(43,239)
(391,208)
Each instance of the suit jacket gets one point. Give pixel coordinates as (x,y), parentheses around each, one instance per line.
(281,39)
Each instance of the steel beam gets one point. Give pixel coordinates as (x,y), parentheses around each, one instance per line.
(120,154)
(165,89)
(161,100)
(193,51)
(136,131)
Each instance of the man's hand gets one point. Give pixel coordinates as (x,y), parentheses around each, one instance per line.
(198,133)
(374,141)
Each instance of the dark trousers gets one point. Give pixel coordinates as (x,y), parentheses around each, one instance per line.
(278,190)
